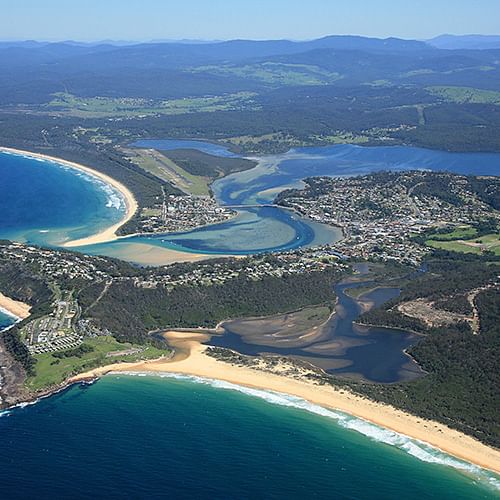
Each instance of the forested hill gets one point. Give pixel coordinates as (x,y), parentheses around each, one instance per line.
(32,73)
(461,388)
(256,96)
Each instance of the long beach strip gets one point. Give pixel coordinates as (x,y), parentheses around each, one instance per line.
(193,361)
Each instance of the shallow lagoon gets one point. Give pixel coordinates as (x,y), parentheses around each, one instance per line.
(53,204)
(340,346)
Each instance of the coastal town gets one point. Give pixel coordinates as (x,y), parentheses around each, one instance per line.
(252,268)
(381,214)
(65,328)
(182,213)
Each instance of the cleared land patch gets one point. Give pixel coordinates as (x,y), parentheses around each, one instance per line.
(164,168)
(486,243)
(276,73)
(51,370)
(463,95)
(109,107)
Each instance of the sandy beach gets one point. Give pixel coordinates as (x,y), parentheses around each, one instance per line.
(109,234)
(14,307)
(139,253)
(190,359)
(152,255)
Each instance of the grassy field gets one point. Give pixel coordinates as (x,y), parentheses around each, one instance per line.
(164,168)
(108,107)
(276,73)
(488,242)
(51,370)
(460,233)
(466,95)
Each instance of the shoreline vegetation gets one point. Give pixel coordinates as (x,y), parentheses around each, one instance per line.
(108,234)
(15,308)
(154,255)
(191,359)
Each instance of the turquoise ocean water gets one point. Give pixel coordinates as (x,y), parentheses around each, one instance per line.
(46,204)
(151,437)
(5,320)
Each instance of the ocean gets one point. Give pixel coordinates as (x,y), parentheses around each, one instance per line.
(46,204)
(5,320)
(163,437)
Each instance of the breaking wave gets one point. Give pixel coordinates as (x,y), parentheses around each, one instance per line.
(418,449)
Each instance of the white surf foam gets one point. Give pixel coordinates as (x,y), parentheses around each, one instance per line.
(418,449)
(115,198)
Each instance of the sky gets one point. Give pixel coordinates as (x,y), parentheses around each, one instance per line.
(144,20)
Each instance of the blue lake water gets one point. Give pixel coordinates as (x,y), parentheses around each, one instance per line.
(152,437)
(47,204)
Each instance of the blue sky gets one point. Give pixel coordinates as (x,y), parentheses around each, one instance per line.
(255,19)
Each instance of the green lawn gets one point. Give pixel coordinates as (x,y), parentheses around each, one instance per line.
(490,242)
(164,168)
(51,370)
(460,233)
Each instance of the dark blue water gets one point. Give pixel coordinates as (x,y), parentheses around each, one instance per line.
(171,144)
(369,353)
(348,159)
(46,203)
(132,437)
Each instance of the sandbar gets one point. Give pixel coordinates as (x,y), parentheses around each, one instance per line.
(152,255)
